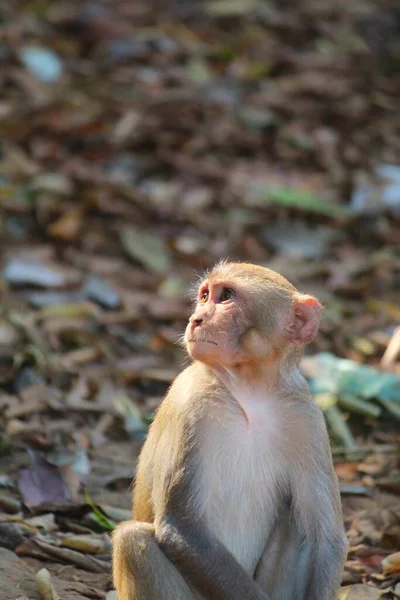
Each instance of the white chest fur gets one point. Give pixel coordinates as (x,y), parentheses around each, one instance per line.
(245,445)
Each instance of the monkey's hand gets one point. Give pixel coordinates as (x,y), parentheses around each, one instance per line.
(205,562)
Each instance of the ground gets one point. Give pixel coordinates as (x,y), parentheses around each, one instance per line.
(140,143)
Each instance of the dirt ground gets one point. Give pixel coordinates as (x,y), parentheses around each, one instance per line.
(141,142)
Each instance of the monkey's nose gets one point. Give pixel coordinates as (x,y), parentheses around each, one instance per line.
(196,322)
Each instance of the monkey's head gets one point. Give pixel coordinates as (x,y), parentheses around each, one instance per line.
(247,313)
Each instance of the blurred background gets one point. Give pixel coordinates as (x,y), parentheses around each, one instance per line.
(141,142)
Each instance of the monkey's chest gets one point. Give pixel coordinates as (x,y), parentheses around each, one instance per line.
(244,484)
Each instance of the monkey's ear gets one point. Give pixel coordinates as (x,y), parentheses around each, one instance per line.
(305,319)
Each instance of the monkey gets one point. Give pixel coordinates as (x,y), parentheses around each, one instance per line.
(236,497)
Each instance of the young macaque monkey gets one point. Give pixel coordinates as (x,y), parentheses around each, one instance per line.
(236,497)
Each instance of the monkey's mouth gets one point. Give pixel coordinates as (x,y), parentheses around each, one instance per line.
(203,342)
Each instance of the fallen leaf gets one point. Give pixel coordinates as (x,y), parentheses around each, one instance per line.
(229,8)
(116,514)
(68,226)
(42,482)
(391,537)
(391,564)
(26,271)
(87,543)
(54,183)
(149,250)
(133,422)
(10,536)
(101,291)
(45,587)
(346,471)
(9,504)
(46,522)
(359,591)
(87,563)
(74,309)
(298,199)
(42,62)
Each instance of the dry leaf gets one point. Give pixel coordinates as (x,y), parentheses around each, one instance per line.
(45,587)
(87,543)
(391,564)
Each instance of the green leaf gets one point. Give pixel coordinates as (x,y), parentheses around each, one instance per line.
(392,406)
(339,426)
(133,422)
(198,71)
(301,199)
(98,515)
(146,248)
(230,8)
(357,405)
(344,593)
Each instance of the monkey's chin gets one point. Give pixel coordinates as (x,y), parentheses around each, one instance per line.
(202,349)
(209,353)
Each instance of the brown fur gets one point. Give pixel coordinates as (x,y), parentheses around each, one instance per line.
(235,483)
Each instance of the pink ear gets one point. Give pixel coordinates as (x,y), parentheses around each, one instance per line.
(305,319)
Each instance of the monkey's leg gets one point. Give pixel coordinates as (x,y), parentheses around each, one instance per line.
(279,558)
(314,566)
(140,568)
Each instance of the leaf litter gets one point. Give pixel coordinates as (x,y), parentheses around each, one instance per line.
(141,144)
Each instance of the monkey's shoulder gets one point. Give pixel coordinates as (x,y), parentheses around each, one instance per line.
(190,392)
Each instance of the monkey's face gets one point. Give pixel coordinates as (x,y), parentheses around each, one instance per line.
(247,313)
(215,328)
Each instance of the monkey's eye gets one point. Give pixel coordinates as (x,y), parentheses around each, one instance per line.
(226,294)
(204,296)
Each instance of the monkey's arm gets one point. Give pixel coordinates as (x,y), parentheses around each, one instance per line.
(204,561)
(180,530)
(318,518)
